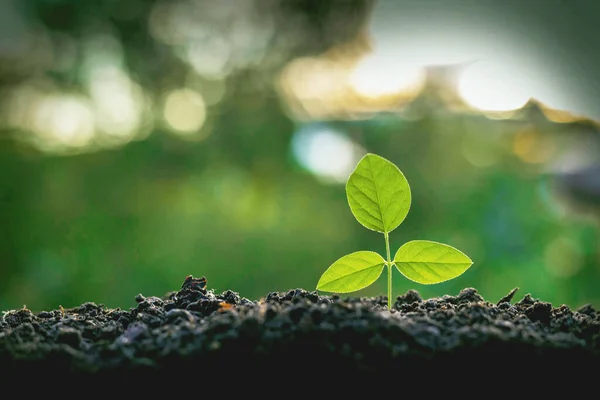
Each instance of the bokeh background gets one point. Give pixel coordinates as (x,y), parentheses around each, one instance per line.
(145,140)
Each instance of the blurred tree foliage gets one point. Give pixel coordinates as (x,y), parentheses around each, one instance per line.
(106,221)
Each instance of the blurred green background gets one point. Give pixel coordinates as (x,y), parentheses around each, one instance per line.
(145,140)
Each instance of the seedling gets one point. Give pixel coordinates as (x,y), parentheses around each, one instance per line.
(379,197)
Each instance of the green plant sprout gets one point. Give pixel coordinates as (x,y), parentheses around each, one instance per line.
(379,197)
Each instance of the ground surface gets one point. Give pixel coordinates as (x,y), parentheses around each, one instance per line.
(195,333)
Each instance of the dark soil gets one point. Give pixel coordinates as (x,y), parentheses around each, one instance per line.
(299,336)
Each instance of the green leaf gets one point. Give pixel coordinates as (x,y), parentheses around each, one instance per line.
(378,194)
(352,272)
(429,262)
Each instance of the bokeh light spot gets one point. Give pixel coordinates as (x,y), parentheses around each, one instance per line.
(185,110)
(531,147)
(326,152)
(210,58)
(480,153)
(65,120)
(118,101)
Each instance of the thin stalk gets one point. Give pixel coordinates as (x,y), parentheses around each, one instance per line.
(389,269)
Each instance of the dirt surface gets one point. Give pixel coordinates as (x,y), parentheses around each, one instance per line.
(196,334)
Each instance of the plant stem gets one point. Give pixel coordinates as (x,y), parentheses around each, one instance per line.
(389,268)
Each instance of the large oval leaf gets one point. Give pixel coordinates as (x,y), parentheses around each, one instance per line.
(378,194)
(352,272)
(428,262)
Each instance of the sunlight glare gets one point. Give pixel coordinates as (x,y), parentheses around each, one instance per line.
(488,86)
(376,76)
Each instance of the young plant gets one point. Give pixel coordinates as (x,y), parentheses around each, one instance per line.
(379,197)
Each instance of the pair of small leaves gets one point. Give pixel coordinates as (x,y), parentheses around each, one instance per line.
(421,261)
(379,197)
